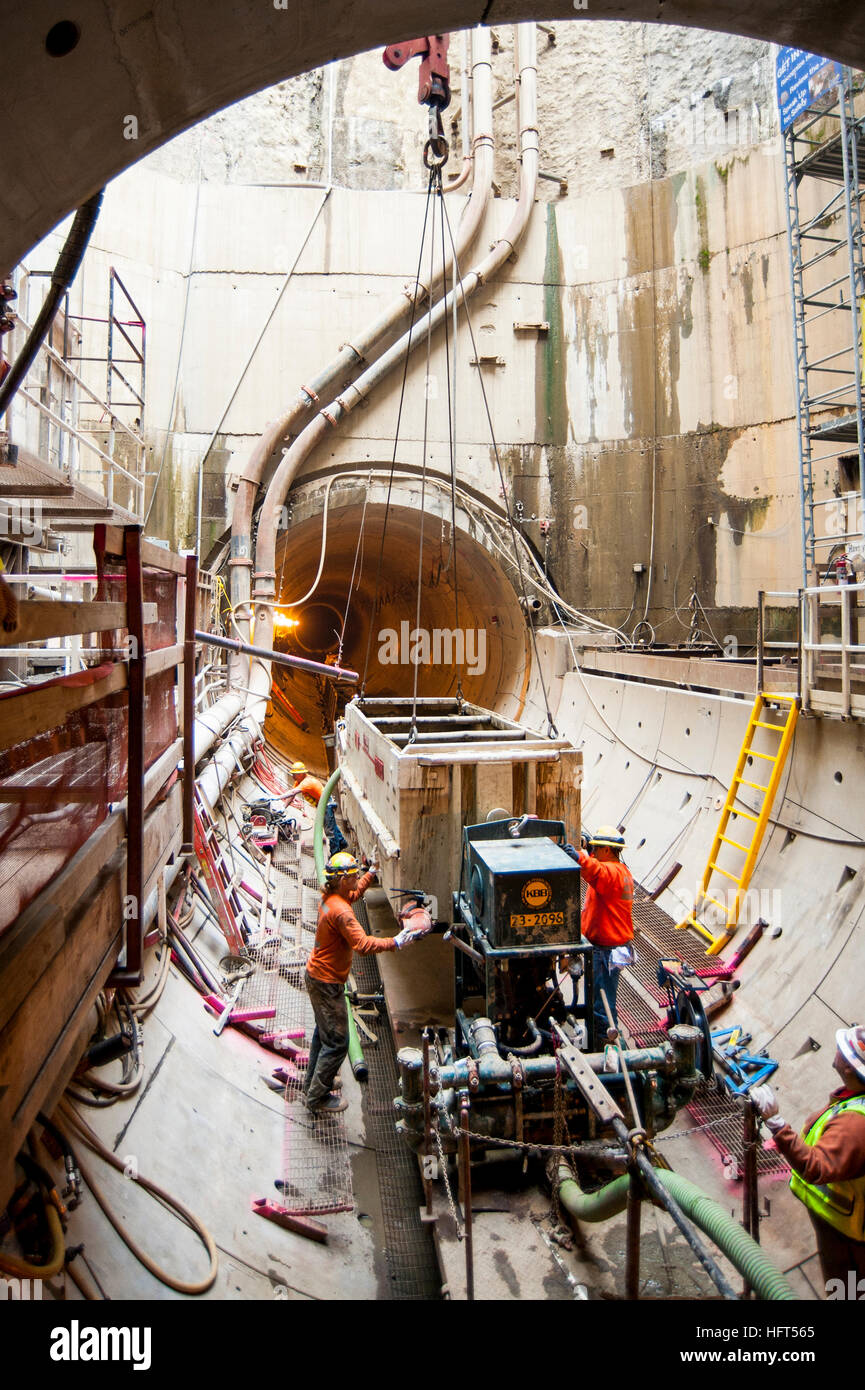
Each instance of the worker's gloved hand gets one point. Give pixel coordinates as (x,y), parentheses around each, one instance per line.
(584,840)
(766,1105)
(402,938)
(573,852)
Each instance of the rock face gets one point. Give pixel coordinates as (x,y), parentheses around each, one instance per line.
(617,104)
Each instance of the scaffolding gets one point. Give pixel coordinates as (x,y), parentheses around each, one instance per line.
(825,175)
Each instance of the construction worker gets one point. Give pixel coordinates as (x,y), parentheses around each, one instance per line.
(828,1162)
(337,935)
(311,788)
(607,919)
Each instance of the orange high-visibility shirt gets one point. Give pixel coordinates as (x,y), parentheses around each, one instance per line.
(607,913)
(339,933)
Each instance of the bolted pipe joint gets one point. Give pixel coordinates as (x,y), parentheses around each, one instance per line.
(409,1060)
(482,1039)
(684,1038)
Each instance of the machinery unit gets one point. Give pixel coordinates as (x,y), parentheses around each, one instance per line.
(517,916)
(524,1049)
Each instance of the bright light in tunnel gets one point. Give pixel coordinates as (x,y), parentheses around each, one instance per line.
(284,622)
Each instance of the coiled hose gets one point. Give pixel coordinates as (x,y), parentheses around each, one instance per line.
(86,1134)
(741,1250)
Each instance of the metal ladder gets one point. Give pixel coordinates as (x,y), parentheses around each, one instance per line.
(223,890)
(775,761)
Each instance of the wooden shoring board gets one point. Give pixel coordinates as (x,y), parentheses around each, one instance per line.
(56,969)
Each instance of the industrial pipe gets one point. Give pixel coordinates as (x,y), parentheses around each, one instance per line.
(319,668)
(743,1253)
(352,355)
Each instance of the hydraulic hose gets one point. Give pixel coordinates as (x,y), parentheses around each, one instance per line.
(22,1269)
(185,1215)
(741,1250)
(318,828)
(355,1050)
(62,276)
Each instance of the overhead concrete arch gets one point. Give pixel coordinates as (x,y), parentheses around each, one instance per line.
(90,88)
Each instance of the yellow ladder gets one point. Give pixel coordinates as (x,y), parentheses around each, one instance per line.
(775,761)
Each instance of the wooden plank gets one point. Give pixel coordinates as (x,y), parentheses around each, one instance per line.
(152,555)
(39,619)
(557,790)
(36,711)
(159,772)
(19,957)
(41,1040)
(162,659)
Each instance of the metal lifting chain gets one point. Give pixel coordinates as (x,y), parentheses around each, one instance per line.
(443,1168)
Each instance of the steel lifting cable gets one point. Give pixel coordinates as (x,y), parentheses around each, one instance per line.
(552,731)
(415,297)
(435,178)
(451,431)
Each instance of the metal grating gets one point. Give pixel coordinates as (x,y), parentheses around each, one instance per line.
(711,1106)
(412,1268)
(316,1171)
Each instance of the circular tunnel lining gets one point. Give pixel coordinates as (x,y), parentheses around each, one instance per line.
(485,645)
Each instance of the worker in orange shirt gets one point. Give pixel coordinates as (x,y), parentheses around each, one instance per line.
(337,935)
(607,917)
(311,788)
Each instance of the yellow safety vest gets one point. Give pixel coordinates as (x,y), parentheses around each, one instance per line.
(840,1204)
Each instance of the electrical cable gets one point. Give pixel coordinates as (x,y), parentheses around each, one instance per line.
(169,429)
(92,1141)
(248,363)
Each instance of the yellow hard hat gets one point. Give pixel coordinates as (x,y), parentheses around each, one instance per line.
(340,864)
(608,835)
(297,769)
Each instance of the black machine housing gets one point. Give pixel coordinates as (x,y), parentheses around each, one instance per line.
(517,914)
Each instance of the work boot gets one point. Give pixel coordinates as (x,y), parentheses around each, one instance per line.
(331,1105)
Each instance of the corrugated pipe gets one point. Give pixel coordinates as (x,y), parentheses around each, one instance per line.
(741,1250)
(351,357)
(360,390)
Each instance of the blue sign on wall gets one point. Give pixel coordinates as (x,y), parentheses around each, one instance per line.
(802,78)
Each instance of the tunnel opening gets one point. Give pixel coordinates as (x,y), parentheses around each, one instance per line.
(479,644)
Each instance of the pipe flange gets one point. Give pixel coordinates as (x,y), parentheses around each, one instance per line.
(241,561)
(310,394)
(518,1074)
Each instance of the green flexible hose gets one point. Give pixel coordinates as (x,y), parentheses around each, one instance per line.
(355,1051)
(743,1253)
(318,828)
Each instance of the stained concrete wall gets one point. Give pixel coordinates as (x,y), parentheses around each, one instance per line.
(665,368)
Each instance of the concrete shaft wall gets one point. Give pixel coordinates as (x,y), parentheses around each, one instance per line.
(637,354)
